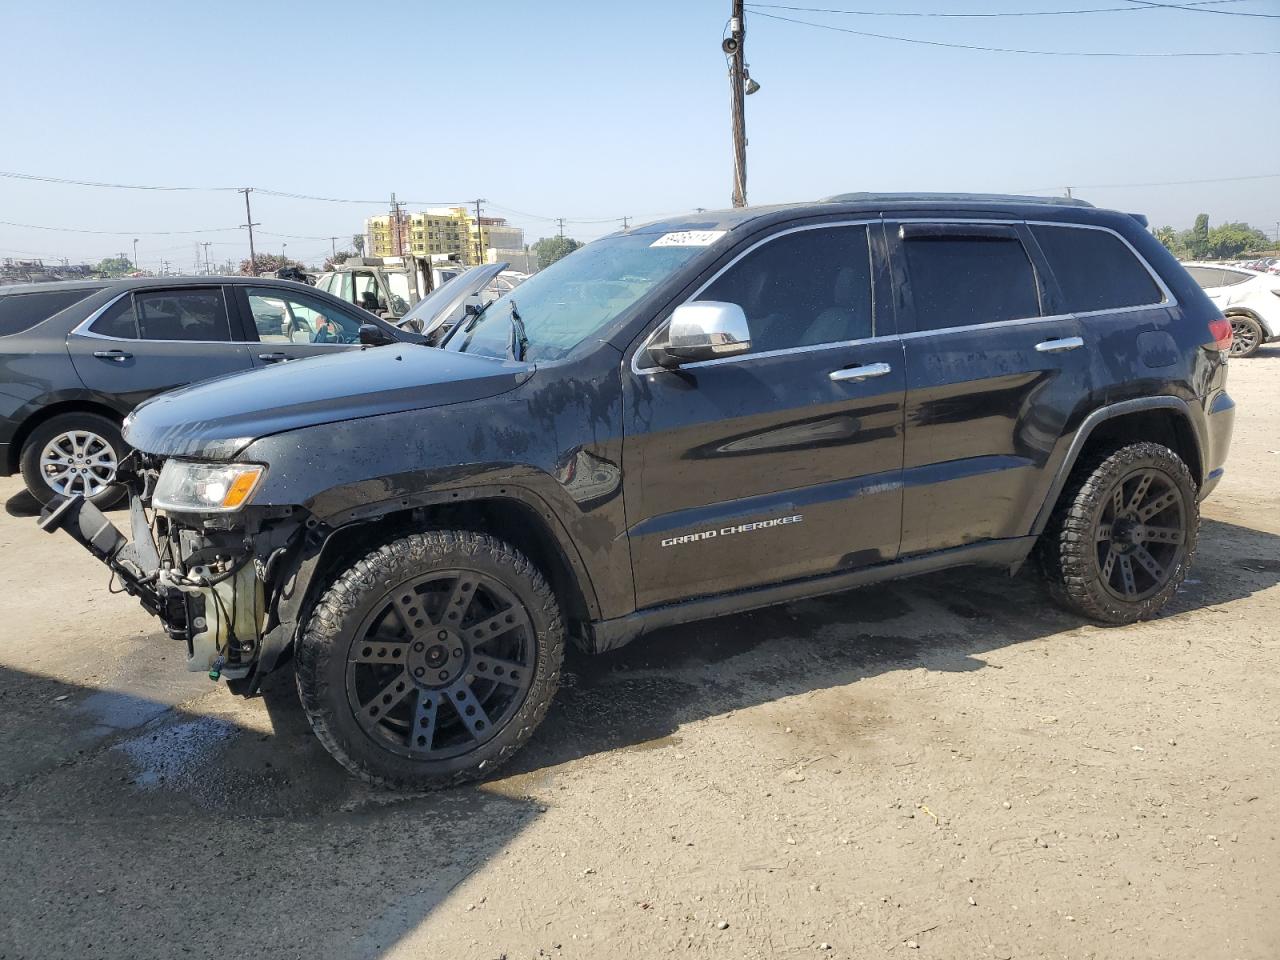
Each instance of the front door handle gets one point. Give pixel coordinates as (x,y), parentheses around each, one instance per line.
(1060,346)
(273,357)
(117,355)
(865,372)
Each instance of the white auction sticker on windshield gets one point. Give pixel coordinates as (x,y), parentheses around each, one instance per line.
(689,238)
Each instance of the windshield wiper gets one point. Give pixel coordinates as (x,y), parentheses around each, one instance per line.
(519,342)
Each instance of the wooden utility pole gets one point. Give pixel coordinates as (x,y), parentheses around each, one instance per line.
(733,46)
(248,222)
(479,233)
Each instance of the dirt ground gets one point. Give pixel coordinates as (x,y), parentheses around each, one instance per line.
(948,767)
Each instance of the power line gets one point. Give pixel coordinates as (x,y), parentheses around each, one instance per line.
(1195,8)
(1163,183)
(1138,5)
(96,183)
(141,233)
(1038,53)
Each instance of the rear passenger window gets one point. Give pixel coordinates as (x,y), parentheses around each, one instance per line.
(1096,270)
(802,289)
(22,311)
(1206,277)
(117,320)
(1231,277)
(196,315)
(958,281)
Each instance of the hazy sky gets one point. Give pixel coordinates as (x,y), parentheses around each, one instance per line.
(595,110)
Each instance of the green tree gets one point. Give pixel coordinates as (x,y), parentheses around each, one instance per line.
(1229,240)
(1196,240)
(1169,237)
(550,249)
(357,241)
(114,266)
(337,258)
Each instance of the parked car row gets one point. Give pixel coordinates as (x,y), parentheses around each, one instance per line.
(694,417)
(77,357)
(1248,298)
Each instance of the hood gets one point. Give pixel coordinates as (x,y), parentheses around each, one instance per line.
(436,307)
(217,418)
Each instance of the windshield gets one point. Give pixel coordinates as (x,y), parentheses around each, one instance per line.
(573,298)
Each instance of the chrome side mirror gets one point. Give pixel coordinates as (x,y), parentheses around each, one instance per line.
(704,330)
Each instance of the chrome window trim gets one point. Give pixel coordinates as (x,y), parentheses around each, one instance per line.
(82,328)
(765,354)
(1168,299)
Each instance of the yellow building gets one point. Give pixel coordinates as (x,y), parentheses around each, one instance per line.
(449,231)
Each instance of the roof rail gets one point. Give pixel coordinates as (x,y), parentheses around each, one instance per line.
(865,197)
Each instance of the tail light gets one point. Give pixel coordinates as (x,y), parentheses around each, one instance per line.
(1220,331)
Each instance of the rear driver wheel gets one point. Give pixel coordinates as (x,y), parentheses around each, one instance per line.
(1122,537)
(432,660)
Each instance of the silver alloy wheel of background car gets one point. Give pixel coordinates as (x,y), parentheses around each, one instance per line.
(1245,335)
(78,461)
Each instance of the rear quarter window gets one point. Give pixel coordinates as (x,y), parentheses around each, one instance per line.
(22,311)
(1096,270)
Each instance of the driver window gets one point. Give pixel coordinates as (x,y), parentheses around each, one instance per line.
(804,288)
(298,318)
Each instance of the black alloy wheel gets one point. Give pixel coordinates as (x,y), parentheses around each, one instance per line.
(1140,535)
(431,660)
(1123,533)
(441,664)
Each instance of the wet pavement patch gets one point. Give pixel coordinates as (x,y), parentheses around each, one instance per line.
(169,754)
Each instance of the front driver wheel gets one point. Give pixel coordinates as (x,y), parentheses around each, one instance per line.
(1122,537)
(432,660)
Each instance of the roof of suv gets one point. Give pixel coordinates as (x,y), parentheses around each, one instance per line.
(1007,205)
(132,283)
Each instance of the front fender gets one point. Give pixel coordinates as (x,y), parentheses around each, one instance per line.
(555,445)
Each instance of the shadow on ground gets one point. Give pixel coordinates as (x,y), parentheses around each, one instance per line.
(223,828)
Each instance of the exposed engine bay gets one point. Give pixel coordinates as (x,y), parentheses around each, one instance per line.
(211,580)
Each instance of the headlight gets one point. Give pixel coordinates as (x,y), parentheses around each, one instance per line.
(187,487)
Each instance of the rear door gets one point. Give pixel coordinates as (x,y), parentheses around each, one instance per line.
(290,325)
(154,339)
(784,462)
(993,375)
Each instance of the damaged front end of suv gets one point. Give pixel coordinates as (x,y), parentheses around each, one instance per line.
(214,568)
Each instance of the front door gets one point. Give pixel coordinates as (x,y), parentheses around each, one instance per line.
(291,324)
(155,339)
(784,462)
(994,373)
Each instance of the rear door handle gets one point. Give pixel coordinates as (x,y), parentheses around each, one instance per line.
(273,357)
(118,355)
(1060,346)
(865,372)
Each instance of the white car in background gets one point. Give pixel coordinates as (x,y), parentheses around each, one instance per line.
(1249,299)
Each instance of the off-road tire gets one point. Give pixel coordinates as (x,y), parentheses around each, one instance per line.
(356,591)
(1247,336)
(1068,551)
(40,437)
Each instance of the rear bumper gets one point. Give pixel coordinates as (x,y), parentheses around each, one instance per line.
(1220,418)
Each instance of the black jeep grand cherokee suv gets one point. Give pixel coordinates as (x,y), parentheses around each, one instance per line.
(685,419)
